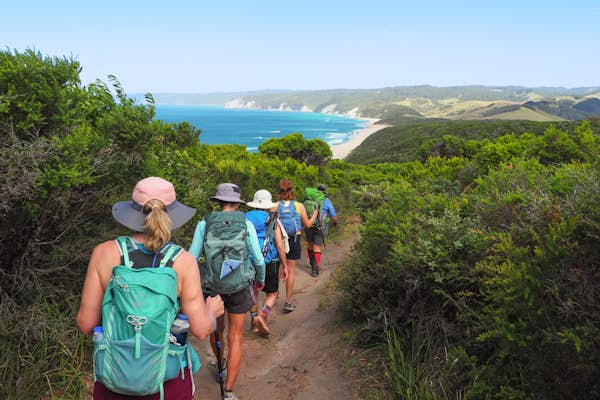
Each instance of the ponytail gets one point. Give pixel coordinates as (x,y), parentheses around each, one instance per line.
(158,225)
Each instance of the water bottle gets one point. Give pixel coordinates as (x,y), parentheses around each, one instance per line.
(98,333)
(180,328)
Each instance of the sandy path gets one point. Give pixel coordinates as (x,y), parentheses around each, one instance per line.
(301,359)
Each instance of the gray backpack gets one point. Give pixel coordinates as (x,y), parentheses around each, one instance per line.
(226,267)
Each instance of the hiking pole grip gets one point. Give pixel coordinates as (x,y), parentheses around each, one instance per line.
(219,350)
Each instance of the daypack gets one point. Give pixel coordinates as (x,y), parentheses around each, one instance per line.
(314,200)
(135,356)
(226,267)
(265,230)
(290,218)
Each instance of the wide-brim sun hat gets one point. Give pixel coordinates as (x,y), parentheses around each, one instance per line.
(263,200)
(130,213)
(229,192)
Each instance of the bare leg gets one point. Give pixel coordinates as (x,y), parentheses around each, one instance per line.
(289,284)
(234,339)
(271,299)
(221,323)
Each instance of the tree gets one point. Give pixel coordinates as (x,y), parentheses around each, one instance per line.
(310,152)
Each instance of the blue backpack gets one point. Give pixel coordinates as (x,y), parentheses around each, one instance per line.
(290,219)
(265,230)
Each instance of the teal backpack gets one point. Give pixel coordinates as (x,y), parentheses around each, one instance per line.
(313,200)
(225,267)
(136,356)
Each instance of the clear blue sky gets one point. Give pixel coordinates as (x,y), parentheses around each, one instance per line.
(216,46)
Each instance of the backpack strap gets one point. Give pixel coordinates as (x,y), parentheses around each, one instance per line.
(172,251)
(122,243)
(272,220)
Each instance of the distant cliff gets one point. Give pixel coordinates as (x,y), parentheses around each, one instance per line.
(415,102)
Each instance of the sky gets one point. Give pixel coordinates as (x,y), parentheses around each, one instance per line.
(204,46)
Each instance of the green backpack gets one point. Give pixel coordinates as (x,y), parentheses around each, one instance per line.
(313,200)
(226,267)
(135,356)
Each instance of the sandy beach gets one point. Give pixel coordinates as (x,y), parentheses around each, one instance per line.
(340,151)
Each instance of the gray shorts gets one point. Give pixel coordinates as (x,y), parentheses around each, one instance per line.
(315,236)
(239,302)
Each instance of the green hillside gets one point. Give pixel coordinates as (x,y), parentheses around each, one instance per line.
(405,103)
(403,142)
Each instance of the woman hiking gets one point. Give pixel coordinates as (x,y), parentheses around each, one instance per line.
(293,217)
(315,236)
(152,214)
(230,261)
(270,237)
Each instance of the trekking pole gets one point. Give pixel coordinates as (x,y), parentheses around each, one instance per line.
(218,347)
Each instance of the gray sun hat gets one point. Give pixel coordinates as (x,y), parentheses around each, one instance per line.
(229,192)
(322,188)
(130,213)
(263,200)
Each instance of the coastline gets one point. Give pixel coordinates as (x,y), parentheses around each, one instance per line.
(340,151)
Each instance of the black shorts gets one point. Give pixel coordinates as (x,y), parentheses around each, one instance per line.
(315,236)
(239,302)
(272,277)
(295,248)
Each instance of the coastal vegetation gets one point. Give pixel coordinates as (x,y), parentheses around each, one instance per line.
(411,141)
(475,275)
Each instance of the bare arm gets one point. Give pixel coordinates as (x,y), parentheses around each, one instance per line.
(281,251)
(104,257)
(307,222)
(201,314)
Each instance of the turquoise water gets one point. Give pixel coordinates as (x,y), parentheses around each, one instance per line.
(221,125)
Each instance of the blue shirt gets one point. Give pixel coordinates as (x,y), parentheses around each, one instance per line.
(251,244)
(327,208)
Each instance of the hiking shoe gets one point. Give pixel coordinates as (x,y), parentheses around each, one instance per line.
(314,271)
(229,396)
(288,307)
(261,326)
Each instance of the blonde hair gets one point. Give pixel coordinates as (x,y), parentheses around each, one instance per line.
(158,225)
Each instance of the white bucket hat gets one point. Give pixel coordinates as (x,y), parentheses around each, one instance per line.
(263,200)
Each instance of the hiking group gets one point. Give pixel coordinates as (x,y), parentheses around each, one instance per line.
(142,293)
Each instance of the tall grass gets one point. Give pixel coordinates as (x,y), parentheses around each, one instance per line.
(42,355)
(418,366)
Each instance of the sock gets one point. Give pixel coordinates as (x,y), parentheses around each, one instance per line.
(253,314)
(317,258)
(266,309)
(311,257)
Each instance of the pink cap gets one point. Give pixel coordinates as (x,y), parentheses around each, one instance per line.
(153,188)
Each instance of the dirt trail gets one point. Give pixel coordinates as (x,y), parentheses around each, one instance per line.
(301,359)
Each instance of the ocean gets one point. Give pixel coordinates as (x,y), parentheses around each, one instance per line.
(221,125)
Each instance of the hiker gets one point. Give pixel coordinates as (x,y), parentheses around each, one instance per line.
(315,236)
(270,237)
(126,366)
(231,261)
(293,217)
